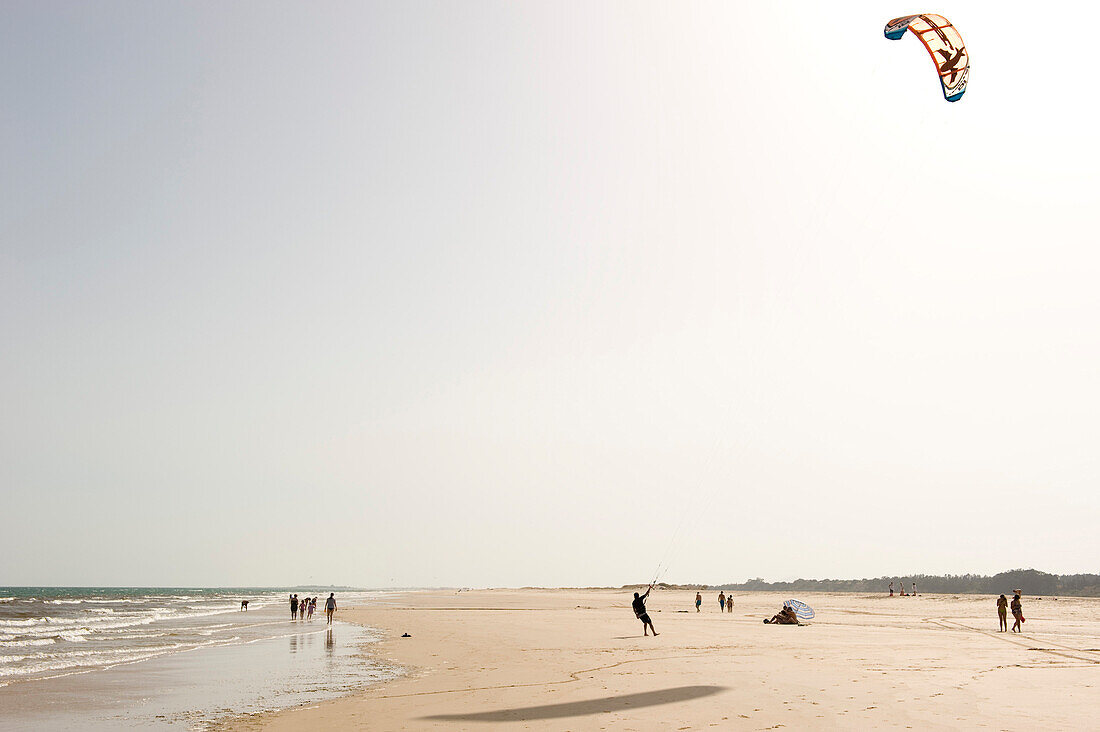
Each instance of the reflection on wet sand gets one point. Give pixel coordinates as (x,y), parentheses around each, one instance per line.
(302,642)
(193,689)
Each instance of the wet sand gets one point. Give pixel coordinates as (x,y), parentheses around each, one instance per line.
(567,659)
(288,663)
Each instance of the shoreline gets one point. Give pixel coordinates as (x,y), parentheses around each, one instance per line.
(107,662)
(542,658)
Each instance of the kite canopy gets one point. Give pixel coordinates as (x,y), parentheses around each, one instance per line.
(944,45)
(801,609)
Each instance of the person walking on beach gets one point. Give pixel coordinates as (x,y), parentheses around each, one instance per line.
(1018,614)
(914,589)
(310,604)
(729,604)
(891,589)
(640,612)
(698,601)
(293,607)
(330,606)
(1002,614)
(721,602)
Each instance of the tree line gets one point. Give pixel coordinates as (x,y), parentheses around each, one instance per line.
(1031,581)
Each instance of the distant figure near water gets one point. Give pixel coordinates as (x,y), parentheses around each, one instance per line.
(698,601)
(330,606)
(244,605)
(293,607)
(640,612)
(1002,614)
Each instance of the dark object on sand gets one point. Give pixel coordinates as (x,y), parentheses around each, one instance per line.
(406,635)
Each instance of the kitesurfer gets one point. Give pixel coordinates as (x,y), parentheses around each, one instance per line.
(641,614)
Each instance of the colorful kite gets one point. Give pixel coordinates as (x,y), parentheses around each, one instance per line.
(944,45)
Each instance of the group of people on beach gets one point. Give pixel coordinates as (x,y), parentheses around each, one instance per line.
(901,590)
(725,604)
(788,616)
(302,609)
(1017,607)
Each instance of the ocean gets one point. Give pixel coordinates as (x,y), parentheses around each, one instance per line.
(110,657)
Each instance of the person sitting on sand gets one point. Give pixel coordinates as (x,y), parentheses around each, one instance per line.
(786,616)
(1018,614)
(641,614)
(1002,614)
(721,602)
(698,601)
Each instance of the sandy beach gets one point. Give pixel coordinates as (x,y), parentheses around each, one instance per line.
(569,659)
(365,300)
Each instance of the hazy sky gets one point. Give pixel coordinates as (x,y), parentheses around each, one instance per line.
(469,293)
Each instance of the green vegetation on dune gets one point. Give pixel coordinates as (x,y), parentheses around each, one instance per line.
(1031,581)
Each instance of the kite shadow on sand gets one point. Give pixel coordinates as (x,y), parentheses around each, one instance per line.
(603,705)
